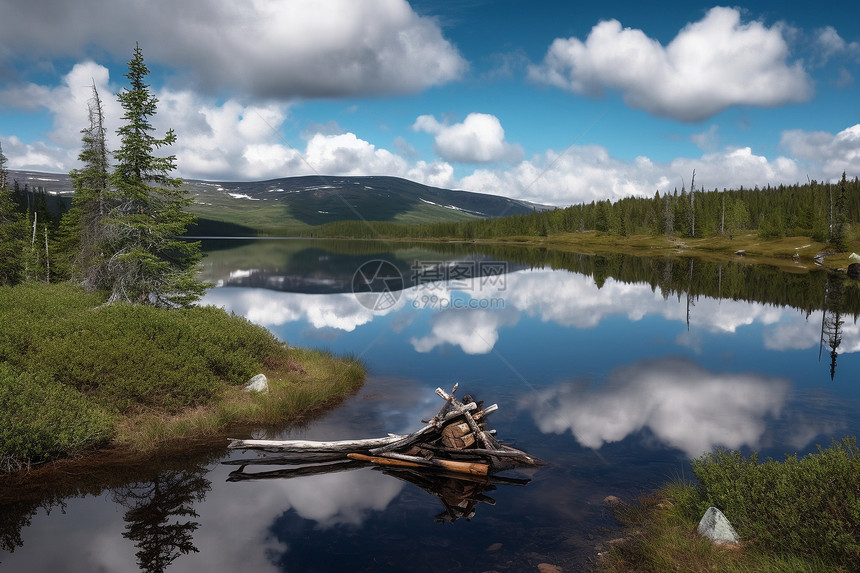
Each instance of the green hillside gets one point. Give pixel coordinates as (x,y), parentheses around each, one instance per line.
(292,205)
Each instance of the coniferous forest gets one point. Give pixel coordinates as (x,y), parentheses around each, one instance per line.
(821,211)
(123,232)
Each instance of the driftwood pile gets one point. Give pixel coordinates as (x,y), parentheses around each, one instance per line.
(453,457)
(455,440)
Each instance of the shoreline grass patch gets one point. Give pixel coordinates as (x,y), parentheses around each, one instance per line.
(801,514)
(302,383)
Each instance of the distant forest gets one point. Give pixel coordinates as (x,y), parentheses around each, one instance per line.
(825,212)
(48,207)
(822,211)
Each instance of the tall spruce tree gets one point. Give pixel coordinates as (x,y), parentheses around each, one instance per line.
(82,231)
(148,261)
(839,231)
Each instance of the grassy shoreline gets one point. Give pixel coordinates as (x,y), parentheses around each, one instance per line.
(78,376)
(793,254)
(799,514)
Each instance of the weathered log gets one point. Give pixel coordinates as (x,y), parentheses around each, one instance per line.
(458,435)
(288,458)
(311,446)
(445,407)
(480,415)
(452,433)
(459,443)
(505,452)
(388,443)
(401,460)
(487,440)
(407,441)
(478,469)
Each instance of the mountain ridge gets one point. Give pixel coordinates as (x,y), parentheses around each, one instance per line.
(289,203)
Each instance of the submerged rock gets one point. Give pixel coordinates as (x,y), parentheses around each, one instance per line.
(716,527)
(258,383)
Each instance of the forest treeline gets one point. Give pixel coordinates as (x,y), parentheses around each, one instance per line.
(822,211)
(687,276)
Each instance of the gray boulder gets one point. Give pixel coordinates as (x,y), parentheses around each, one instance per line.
(716,527)
(258,383)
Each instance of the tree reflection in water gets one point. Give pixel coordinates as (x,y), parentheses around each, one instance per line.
(154,515)
(832,320)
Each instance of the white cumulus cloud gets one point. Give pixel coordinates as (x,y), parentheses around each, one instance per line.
(480,138)
(830,43)
(268,48)
(711,65)
(586,173)
(835,153)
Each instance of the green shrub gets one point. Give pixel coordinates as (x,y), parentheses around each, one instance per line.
(129,356)
(41,419)
(806,507)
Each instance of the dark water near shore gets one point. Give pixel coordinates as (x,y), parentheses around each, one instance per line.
(615,370)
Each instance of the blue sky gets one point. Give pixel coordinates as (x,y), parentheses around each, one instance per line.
(545,101)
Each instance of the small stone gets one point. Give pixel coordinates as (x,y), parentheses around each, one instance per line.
(258,383)
(548,568)
(494,547)
(612,500)
(716,527)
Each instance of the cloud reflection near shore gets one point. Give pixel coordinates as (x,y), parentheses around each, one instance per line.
(567,299)
(682,404)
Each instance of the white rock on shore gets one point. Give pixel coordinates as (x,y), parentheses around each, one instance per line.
(716,527)
(258,383)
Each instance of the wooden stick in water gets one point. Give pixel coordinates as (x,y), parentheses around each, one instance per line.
(400,460)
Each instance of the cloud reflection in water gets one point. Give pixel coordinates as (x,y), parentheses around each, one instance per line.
(564,298)
(682,404)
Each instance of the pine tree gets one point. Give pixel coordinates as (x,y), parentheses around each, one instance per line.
(839,232)
(82,232)
(148,261)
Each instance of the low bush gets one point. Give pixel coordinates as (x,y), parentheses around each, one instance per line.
(41,419)
(806,506)
(130,356)
(795,515)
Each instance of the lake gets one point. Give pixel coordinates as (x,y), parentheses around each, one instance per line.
(615,370)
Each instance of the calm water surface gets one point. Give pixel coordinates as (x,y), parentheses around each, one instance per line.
(615,371)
